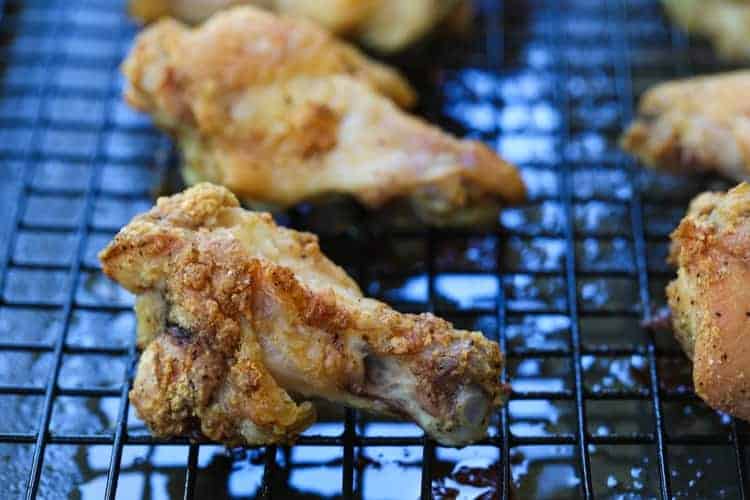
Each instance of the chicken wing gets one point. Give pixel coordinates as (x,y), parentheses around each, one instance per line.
(710,299)
(699,124)
(240,319)
(384,25)
(726,23)
(280,112)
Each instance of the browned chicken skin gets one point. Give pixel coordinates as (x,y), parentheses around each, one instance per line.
(710,299)
(280,112)
(237,315)
(700,124)
(384,25)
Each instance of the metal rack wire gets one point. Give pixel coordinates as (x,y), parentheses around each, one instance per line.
(600,407)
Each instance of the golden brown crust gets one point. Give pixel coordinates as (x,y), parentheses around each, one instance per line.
(699,124)
(710,299)
(254,310)
(246,47)
(279,112)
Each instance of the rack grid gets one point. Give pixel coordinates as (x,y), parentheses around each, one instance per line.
(600,406)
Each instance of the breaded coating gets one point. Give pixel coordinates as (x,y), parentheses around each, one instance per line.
(699,124)
(241,320)
(710,299)
(383,25)
(725,23)
(280,112)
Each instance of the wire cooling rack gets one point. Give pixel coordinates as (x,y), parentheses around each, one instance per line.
(600,407)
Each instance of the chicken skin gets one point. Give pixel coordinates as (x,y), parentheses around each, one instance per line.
(241,321)
(726,23)
(710,299)
(699,124)
(383,25)
(280,112)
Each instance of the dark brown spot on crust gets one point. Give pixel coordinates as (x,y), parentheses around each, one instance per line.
(181,335)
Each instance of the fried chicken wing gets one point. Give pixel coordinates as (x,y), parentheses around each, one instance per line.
(710,299)
(698,124)
(726,23)
(280,112)
(241,319)
(384,25)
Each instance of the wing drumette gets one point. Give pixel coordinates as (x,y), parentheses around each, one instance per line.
(280,112)
(237,316)
(710,299)
(700,124)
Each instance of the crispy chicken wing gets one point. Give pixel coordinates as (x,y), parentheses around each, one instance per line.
(385,25)
(280,112)
(710,299)
(700,124)
(726,23)
(240,319)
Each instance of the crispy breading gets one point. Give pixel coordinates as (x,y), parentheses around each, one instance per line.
(699,124)
(384,25)
(726,23)
(710,299)
(280,112)
(236,313)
